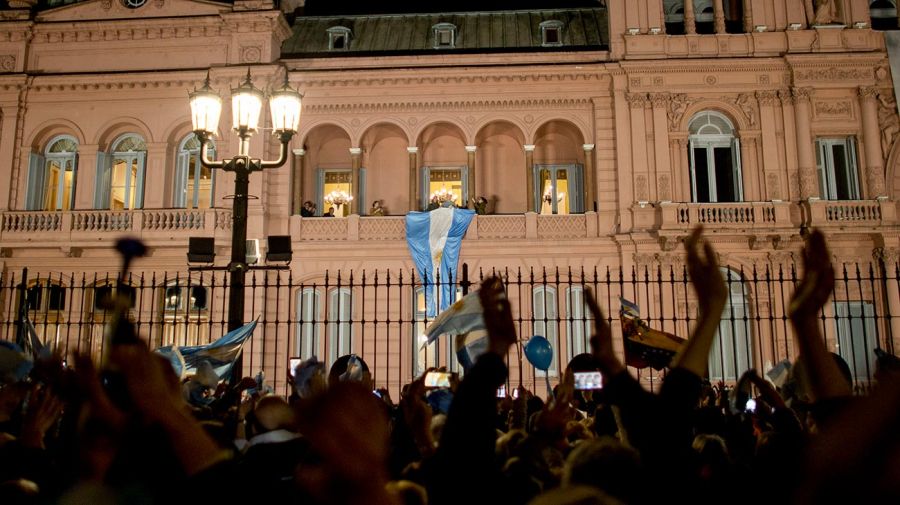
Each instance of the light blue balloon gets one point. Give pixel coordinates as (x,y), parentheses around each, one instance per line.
(539,352)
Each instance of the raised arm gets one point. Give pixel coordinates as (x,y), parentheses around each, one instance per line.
(809,297)
(711,296)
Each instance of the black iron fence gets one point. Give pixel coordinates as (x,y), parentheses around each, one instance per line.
(380,315)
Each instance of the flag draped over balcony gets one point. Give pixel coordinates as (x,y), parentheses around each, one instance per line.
(434,239)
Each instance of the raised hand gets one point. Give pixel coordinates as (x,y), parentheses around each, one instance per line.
(711,296)
(43,411)
(601,340)
(818,279)
(497,316)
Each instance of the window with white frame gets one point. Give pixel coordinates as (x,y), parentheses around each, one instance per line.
(45,302)
(444,35)
(340,331)
(51,176)
(545,322)
(883,14)
(715,159)
(551,33)
(857,336)
(309,323)
(559,189)
(339,38)
(838,176)
(120,174)
(195,185)
(579,323)
(730,354)
(431,355)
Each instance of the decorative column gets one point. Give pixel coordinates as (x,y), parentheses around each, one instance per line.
(7,148)
(748,16)
(355,163)
(719,16)
(872,139)
(299,171)
(889,256)
(806,157)
(789,156)
(663,161)
(638,102)
(529,177)
(588,177)
(470,160)
(413,171)
(690,20)
(769,166)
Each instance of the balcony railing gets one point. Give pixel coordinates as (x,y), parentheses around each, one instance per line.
(60,226)
(742,215)
(851,212)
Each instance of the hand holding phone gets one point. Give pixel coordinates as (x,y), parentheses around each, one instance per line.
(588,380)
(437,380)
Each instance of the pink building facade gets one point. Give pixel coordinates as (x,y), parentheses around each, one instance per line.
(599,136)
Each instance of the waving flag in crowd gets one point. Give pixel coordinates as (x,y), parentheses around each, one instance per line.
(464,320)
(221,354)
(434,239)
(644,346)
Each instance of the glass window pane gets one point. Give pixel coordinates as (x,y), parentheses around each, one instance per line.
(337,182)
(198,298)
(173,298)
(725,179)
(701,175)
(843,186)
(56,299)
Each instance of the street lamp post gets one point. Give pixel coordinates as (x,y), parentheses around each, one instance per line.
(246,105)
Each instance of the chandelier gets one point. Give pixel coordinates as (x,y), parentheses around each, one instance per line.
(443,195)
(338,197)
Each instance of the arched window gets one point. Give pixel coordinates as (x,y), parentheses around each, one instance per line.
(309,323)
(545,321)
(51,177)
(579,322)
(730,354)
(715,159)
(120,174)
(883,14)
(195,185)
(185,310)
(340,331)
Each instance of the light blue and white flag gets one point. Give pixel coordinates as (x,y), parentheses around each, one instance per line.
(434,239)
(630,309)
(464,321)
(221,354)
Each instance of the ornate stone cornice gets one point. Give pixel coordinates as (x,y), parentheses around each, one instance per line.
(327,81)
(330,108)
(887,254)
(835,73)
(121,30)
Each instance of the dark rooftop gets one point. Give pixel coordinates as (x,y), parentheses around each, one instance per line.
(498,31)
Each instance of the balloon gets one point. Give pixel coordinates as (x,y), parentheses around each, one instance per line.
(539,352)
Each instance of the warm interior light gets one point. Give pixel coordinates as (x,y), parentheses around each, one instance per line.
(206,107)
(285,105)
(246,104)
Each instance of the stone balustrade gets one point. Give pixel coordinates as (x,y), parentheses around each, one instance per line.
(738,215)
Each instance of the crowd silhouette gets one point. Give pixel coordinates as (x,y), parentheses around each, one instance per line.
(78,434)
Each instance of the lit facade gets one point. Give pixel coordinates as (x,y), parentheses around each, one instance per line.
(600,136)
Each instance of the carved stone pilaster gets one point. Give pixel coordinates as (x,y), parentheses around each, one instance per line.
(637,100)
(767,98)
(801,94)
(660,100)
(889,255)
(744,101)
(868,92)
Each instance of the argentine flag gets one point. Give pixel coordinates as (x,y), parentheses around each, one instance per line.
(434,239)
(221,354)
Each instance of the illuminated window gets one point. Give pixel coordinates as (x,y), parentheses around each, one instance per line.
(185,308)
(444,186)
(195,185)
(334,188)
(51,177)
(120,174)
(558,189)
